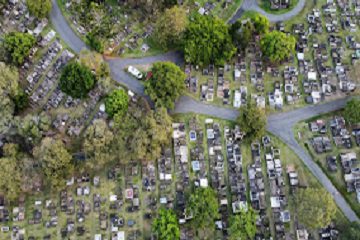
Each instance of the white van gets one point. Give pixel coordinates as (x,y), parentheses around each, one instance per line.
(135,72)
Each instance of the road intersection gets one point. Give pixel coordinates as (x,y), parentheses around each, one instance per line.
(280,124)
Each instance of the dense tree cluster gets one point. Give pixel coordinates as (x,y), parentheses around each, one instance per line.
(55,161)
(141,134)
(207,40)
(117,103)
(315,207)
(77,80)
(39,8)
(277,46)
(243,30)
(166,225)
(252,120)
(170,27)
(17,46)
(166,84)
(243,225)
(204,207)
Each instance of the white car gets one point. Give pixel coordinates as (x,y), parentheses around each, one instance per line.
(135,72)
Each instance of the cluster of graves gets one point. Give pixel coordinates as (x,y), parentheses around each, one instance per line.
(340,138)
(124,34)
(279,4)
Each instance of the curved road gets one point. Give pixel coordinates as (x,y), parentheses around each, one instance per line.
(280,124)
(252,5)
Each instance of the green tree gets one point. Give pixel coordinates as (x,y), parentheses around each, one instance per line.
(97,145)
(10,178)
(276,46)
(55,161)
(77,80)
(207,40)
(166,84)
(9,87)
(252,120)
(94,42)
(170,27)
(39,8)
(33,127)
(17,46)
(352,111)
(243,225)
(242,33)
(261,23)
(166,225)
(141,134)
(117,103)
(204,207)
(351,231)
(21,101)
(315,207)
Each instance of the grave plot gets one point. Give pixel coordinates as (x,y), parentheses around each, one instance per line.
(218,179)
(166,178)
(199,164)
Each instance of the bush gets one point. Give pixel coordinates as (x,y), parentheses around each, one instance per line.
(117,103)
(17,46)
(77,80)
(94,43)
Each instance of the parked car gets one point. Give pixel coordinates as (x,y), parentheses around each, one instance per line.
(135,72)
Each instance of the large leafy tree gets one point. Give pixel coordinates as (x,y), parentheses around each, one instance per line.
(55,161)
(141,134)
(17,46)
(39,8)
(204,207)
(207,40)
(243,30)
(9,88)
(166,84)
(97,145)
(117,103)
(277,46)
(252,120)
(243,225)
(77,80)
(315,207)
(166,225)
(352,111)
(170,26)
(10,178)
(33,127)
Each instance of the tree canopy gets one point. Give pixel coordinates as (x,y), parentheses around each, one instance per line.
(252,120)
(170,27)
(207,40)
(204,207)
(98,145)
(32,127)
(9,88)
(141,134)
(117,102)
(10,178)
(17,46)
(39,8)
(166,84)
(55,161)
(315,207)
(77,80)
(277,46)
(352,111)
(243,225)
(166,225)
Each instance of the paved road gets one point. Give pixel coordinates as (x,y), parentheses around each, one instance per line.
(252,5)
(64,30)
(280,125)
